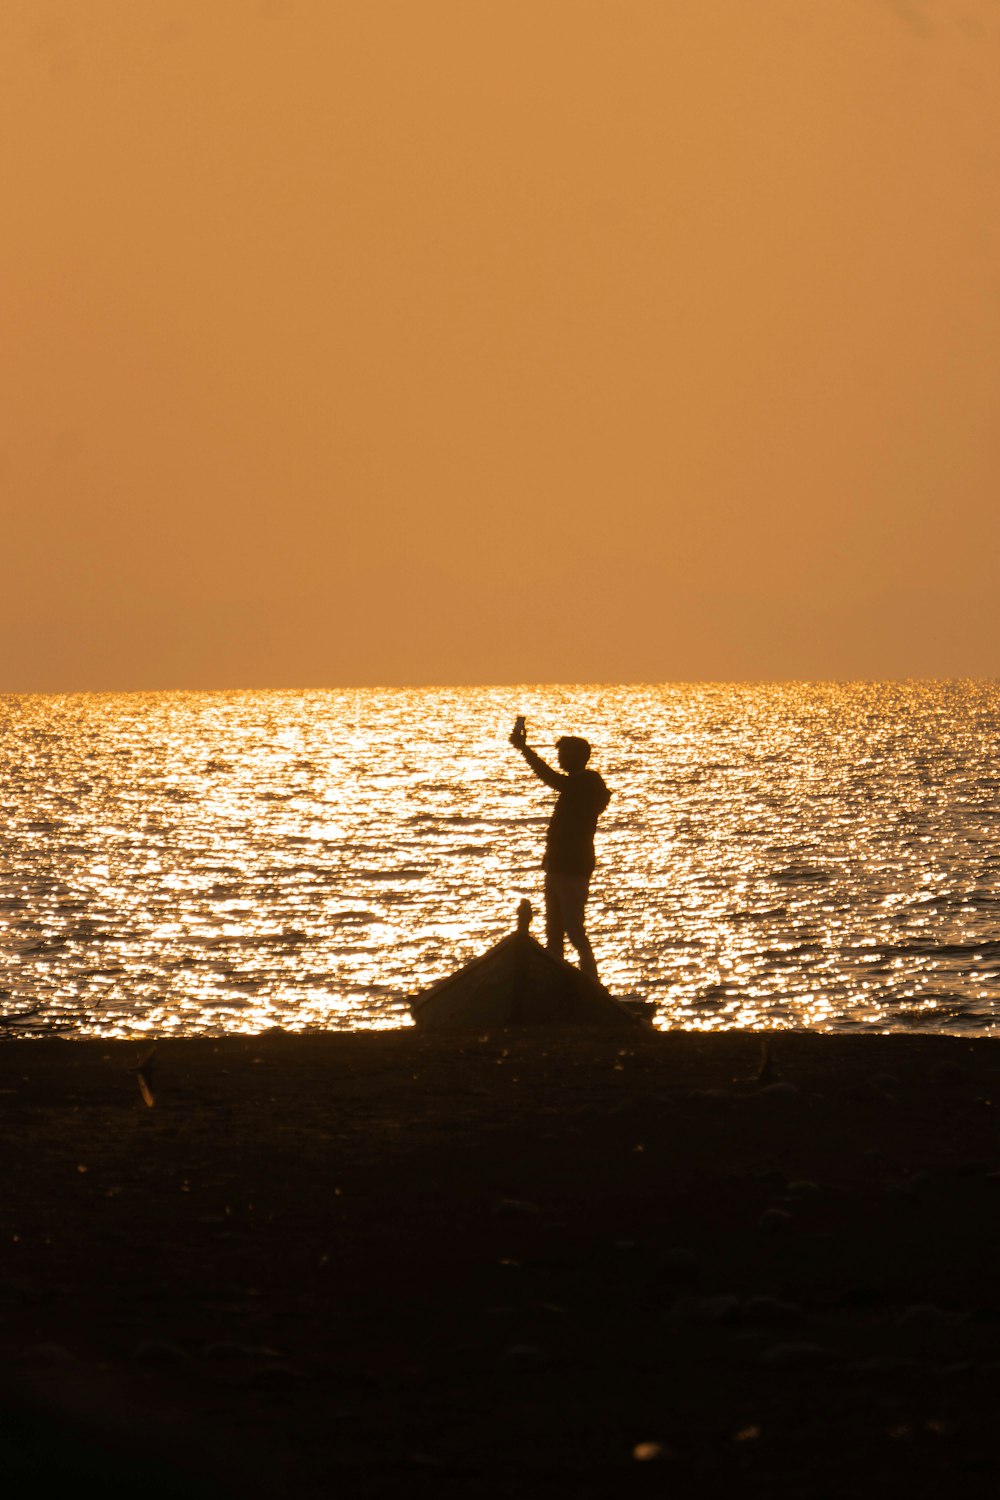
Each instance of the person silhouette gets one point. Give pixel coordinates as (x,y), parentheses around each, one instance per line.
(569,842)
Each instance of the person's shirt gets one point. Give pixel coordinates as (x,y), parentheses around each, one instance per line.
(583,796)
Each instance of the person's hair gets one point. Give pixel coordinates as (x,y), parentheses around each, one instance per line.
(574,751)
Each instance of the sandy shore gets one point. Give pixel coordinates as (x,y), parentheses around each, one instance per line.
(539,1265)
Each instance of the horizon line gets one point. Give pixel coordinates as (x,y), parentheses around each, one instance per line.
(527,684)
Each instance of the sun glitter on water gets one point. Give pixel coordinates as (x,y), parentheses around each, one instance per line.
(797,855)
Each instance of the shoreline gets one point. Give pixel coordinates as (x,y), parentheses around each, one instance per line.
(15,1035)
(384,1263)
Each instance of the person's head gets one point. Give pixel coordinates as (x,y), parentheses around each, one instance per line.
(573,753)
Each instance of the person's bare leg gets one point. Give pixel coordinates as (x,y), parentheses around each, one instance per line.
(574,905)
(588,964)
(554,930)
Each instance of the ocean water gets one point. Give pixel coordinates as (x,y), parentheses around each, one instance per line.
(797,855)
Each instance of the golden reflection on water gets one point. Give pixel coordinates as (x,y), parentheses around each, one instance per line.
(776,855)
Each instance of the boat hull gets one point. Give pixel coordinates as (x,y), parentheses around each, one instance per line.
(518,983)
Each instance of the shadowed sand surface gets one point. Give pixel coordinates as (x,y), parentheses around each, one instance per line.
(535,1264)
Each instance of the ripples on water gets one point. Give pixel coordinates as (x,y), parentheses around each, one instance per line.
(796,855)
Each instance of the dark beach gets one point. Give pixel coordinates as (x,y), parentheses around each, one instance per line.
(523,1264)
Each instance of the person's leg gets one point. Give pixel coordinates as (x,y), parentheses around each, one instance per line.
(554,931)
(573,893)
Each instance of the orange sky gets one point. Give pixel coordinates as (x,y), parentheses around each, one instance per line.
(388,341)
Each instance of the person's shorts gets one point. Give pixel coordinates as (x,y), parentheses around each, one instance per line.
(569,893)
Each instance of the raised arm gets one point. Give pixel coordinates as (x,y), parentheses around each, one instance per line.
(541,768)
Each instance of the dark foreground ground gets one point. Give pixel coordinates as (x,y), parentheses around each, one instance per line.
(382,1265)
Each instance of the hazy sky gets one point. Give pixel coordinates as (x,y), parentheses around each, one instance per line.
(388,341)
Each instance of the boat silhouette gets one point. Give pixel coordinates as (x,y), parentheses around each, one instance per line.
(518,983)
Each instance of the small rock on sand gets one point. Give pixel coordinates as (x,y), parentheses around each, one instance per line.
(646,1453)
(927,1315)
(770,1312)
(777,1093)
(722,1308)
